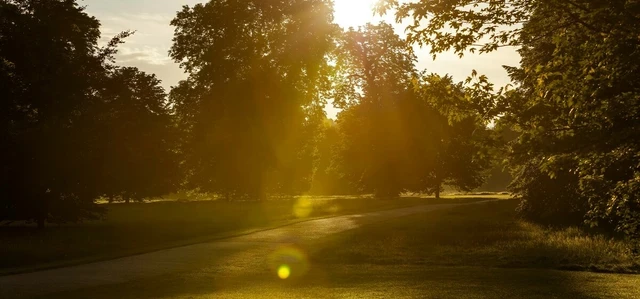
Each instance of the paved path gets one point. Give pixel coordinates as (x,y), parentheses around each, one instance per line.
(186,258)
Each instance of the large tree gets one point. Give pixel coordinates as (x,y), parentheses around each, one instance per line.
(577,104)
(403,131)
(372,85)
(73,126)
(51,68)
(257,70)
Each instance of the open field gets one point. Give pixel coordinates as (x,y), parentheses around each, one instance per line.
(139,227)
(477,251)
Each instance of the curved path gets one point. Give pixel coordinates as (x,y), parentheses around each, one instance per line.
(188,257)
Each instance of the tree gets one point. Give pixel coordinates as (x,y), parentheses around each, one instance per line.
(257,70)
(461,143)
(50,67)
(372,84)
(577,101)
(403,131)
(137,127)
(73,124)
(327,175)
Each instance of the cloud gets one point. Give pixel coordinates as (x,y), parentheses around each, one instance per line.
(131,18)
(154,18)
(149,55)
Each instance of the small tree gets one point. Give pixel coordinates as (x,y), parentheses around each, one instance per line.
(461,144)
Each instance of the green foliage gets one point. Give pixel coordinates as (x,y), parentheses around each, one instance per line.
(463,144)
(254,96)
(327,176)
(577,97)
(549,200)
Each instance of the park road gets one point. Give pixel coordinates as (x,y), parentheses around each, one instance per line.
(217,254)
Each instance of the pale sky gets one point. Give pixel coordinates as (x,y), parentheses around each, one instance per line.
(148,48)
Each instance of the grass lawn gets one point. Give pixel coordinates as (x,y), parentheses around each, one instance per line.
(478,251)
(487,235)
(142,227)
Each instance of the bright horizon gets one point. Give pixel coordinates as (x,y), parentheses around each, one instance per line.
(148,48)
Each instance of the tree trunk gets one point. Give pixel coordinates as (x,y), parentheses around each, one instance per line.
(127,199)
(438,186)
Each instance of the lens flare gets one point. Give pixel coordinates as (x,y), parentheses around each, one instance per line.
(303,207)
(289,262)
(284,272)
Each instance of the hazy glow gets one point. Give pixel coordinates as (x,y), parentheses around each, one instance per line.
(284,272)
(303,207)
(354,13)
(288,261)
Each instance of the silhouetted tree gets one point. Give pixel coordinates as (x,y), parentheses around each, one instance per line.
(51,67)
(256,77)
(139,135)
(62,101)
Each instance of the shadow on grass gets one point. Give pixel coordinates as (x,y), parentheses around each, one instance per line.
(377,282)
(138,227)
(203,256)
(385,267)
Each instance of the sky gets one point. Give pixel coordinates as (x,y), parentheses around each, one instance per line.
(148,48)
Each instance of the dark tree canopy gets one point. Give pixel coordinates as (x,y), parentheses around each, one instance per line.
(51,66)
(257,75)
(63,102)
(577,98)
(139,133)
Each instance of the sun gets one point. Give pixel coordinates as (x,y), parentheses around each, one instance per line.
(354,13)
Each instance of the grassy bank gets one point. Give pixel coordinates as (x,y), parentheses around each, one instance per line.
(488,235)
(141,227)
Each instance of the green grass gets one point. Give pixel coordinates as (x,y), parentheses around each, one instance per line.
(478,251)
(138,227)
(487,235)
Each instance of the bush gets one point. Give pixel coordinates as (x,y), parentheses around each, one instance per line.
(549,199)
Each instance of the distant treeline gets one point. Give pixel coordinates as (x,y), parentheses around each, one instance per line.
(249,120)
